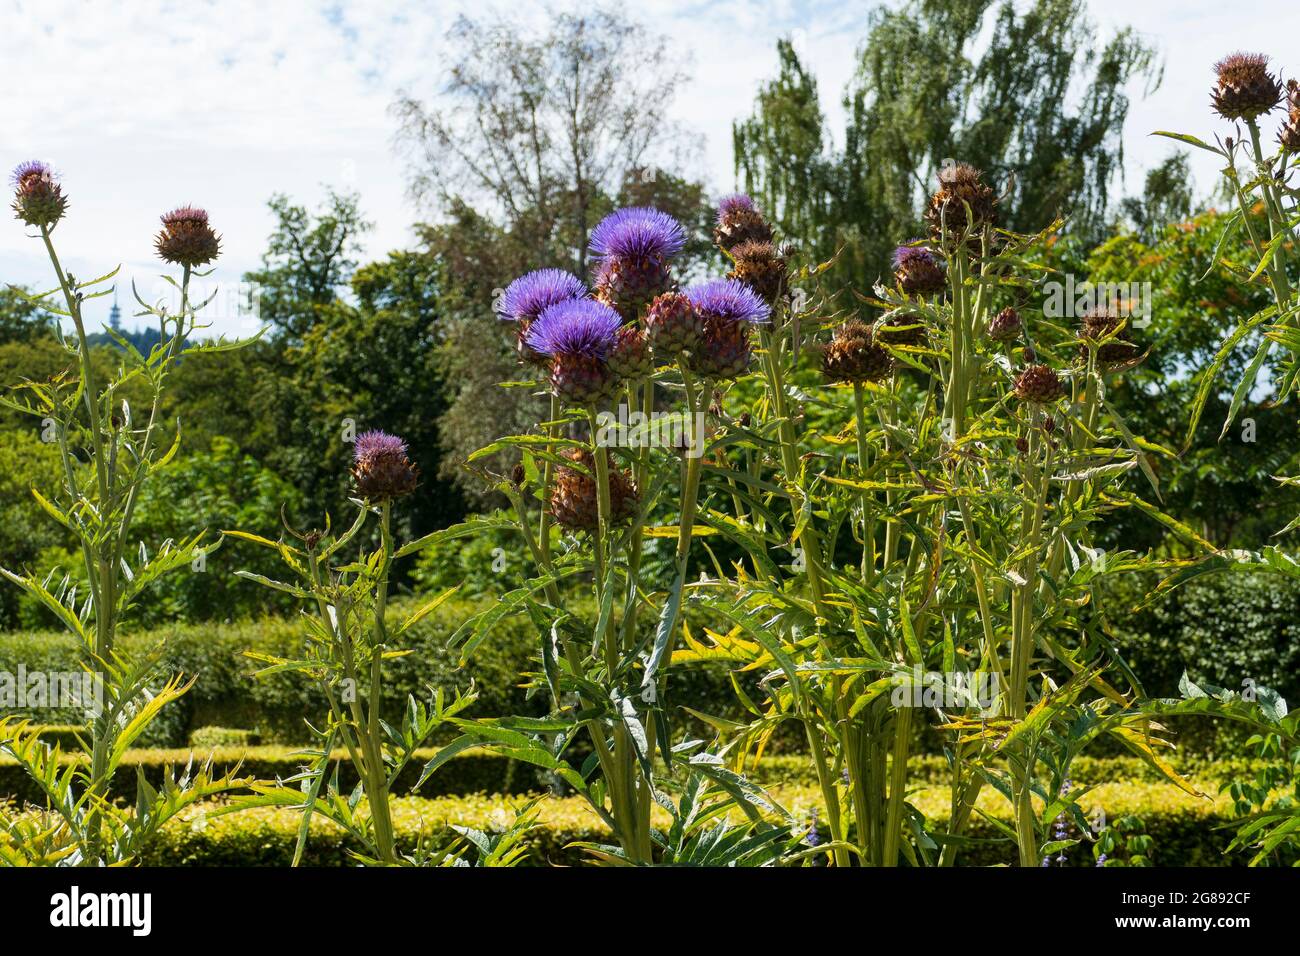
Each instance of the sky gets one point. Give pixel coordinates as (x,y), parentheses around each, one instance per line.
(146,105)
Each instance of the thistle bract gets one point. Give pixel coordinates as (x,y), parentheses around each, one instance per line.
(673,325)
(1039,384)
(574,501)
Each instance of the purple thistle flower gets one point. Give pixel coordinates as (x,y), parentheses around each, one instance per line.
(533,293)
(381,470)
(905,256)
(575,327)
(637,234)
(187,214)
(32,167)
(730,205)
(374,443)
(729,299)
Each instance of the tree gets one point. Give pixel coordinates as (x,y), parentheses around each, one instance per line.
(20,320)
(1166,198)
(535,130)
(308,260)
(532,140)
(989,84)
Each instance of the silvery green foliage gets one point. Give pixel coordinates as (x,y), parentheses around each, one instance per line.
(1267,212)
(343,590)
(109,451)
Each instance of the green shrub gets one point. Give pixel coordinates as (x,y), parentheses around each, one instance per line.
(210,738)
(1184,830)
(474,771)
(275,707)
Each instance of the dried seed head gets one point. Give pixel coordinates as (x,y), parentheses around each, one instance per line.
(574,502)
(761,267)
(187,239)
(1289,135)
(962,203)
(1005,326)
(904,328)
(1039,384)
(1117,348)
(38,197)
(854,356)
(1245,89)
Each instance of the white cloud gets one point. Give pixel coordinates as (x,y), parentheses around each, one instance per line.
(146,105)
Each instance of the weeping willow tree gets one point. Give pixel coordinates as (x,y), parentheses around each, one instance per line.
(1031,95)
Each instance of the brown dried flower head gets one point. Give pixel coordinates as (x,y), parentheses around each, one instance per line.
(1245,88)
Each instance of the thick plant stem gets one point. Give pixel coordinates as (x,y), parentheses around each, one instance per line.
(897,786)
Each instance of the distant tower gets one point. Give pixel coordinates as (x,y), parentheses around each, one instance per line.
(115,315)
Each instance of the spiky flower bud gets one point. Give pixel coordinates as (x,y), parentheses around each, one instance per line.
(1039,384)
(1004,326)
(961,188)
(629,359)
(38,198)
(724,352)
(528,297)
(761,267)
(1102,326)
(633,248)
(186,238)
(578,335)
(1245,89)
(727,308)
(574,501)
(918,271)
(1289,135)
(904,328)
(854,356)
(673,325)
(381,469)
(740,221)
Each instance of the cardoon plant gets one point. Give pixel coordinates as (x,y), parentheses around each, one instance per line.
(1259,179)
(343,586)
(949,538)
(634,341)
(109,451)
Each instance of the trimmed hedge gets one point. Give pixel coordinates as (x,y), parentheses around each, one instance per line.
(472,771)
(1184,828)
(481,771)
(274,708)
